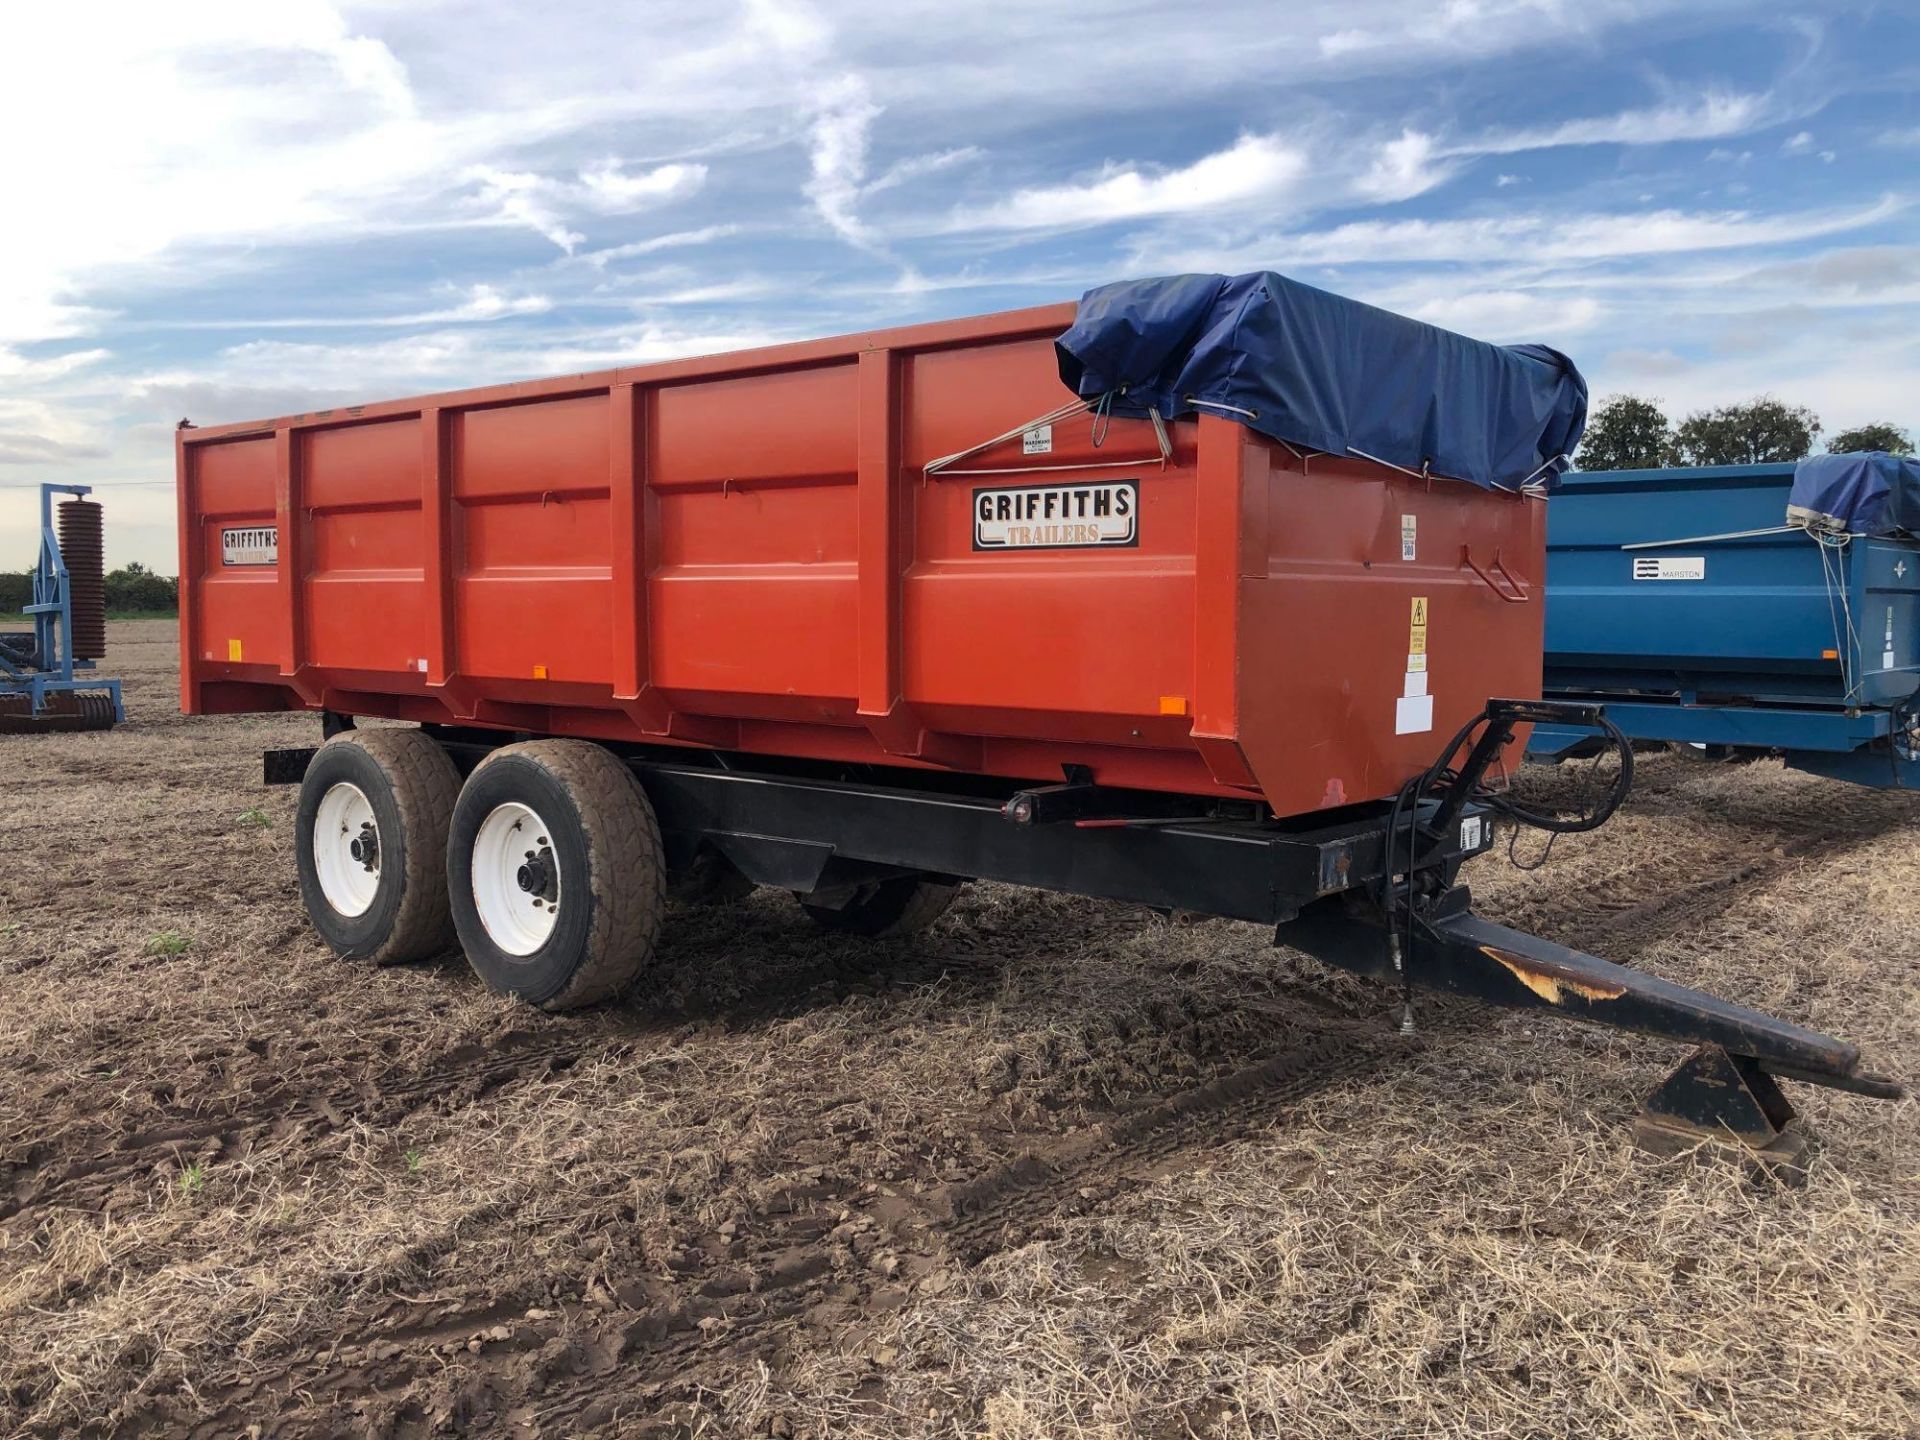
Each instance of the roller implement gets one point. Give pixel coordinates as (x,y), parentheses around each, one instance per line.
(46,679)
(1245,621)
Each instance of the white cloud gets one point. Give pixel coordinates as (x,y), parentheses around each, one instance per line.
(673,240)
(918,167)
(1715,117)
(1798,144)
(19,369)
(1254,168)
(1899,139)
(543,203)
(837,152)
(1501,182)
(609,188)
(525,199)
(307,373)
(33,432)
(1536,236)
(1345,42)
(1508,315)
(1403,168)
(1642,364)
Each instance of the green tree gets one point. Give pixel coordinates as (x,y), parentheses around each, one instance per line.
(1882,436)
(1626,433)
(137,588)
(1762,431)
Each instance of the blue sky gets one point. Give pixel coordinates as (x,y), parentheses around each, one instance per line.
(230,211)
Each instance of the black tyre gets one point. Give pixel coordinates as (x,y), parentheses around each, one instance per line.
(902,905)
(555,873)
(370,844)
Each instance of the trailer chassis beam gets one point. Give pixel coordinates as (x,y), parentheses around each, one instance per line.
(1727,1091)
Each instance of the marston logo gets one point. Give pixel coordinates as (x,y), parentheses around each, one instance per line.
(1057,517)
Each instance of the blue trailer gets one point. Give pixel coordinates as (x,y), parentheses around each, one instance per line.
(1687,603)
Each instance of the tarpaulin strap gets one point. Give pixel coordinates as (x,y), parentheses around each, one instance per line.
(1704,539)
(1063,412)
(1425,472)
(1222,405)
(1833,569)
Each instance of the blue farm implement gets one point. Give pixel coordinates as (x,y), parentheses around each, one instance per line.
(46,673)
(1683,601)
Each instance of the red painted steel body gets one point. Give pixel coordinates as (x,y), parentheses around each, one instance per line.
(743,552)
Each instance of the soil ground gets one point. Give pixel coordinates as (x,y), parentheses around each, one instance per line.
(1056,1168)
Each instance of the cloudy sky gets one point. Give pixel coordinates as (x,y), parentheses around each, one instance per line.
(229,211)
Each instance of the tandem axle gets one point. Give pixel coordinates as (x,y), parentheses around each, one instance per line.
(1370,888)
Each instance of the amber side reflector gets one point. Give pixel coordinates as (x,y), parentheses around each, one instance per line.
(539,672)
(1829,654)
(233,651)
(1173,704)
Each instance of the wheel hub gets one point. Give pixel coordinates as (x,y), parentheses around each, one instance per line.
(346,849)
(538,877)
(517,889)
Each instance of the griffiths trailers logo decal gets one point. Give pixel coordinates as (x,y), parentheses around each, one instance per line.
(1057,517)
(250,545)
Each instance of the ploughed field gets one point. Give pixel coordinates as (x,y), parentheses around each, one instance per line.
(1055,1168)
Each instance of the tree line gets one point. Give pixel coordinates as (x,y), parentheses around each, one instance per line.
(1629,432)
(131,588)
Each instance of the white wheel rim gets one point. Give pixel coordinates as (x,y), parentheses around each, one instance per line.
(516,878)
(346,849)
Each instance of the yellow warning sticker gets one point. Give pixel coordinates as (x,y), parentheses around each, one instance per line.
(1417,633)
(233,651)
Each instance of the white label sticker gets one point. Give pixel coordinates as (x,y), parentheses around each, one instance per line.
(1669,567)
(250,545)
(1416,663)
(1412,714)
(1472,831)
(1037,441)
(1409,533)
(1057,517)
(1416,682)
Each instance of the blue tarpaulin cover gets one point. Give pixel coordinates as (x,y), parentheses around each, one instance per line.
(1868,492)
(1330,374)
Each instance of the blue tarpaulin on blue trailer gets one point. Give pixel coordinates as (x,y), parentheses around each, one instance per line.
(1327,373)
(1868,492)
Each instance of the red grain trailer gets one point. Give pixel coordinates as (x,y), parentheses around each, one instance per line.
(1220,628)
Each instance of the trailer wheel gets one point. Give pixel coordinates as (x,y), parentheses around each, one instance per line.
(555,872)
(370,844)
(901,905)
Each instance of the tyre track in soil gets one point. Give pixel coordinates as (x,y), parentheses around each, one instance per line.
(1612,920)
(271,1109)
(642,1363)
(275,1112)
